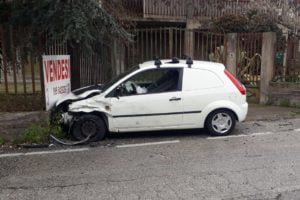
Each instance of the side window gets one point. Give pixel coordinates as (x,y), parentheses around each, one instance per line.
(152,81)
(197,79)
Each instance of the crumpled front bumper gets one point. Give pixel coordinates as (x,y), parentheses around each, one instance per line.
(66,118)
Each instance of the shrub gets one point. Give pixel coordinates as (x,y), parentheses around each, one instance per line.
(252,21)
(2,141)
(39,133)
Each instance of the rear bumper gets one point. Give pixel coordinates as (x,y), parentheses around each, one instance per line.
(243,112)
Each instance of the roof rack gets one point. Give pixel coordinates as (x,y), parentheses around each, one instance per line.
(189,61)
(157,62)
(174,61)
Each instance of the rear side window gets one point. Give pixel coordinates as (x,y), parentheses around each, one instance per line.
(198,79)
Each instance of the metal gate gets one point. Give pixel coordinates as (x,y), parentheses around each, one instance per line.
(209,46)
(148,43)
(287,60)
(249,49)
(174,42)
(201,45)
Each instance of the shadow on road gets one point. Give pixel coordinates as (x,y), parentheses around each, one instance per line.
(158,134)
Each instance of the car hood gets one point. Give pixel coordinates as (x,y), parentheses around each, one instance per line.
(81,93)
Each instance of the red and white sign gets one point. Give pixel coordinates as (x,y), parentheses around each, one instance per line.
(57,78)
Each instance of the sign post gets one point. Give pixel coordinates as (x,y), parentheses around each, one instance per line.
(57,78)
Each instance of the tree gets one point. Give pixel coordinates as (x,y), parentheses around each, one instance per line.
(80,23)
(282,12)
(252,21)
(262,16)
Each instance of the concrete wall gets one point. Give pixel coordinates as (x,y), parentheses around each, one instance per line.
(267,65)
(284,94)
(231,53)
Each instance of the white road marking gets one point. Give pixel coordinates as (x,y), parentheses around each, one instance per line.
(226,137)
(243,135)
(148,144)
(258,134)
(239,136)
(42,152)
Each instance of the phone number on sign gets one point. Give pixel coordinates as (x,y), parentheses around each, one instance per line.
(61,89)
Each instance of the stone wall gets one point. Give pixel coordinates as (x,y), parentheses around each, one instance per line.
(284,94)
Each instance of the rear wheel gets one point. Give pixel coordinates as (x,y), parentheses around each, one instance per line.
(89,125)
(221,122)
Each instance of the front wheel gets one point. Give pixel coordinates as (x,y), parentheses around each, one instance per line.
(221,122)
(89,125)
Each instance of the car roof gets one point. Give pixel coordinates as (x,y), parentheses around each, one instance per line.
(182,64)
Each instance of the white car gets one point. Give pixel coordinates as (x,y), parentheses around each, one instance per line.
(158,95)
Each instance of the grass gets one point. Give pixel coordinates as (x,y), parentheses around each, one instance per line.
(295,114)
(287,79)
(2,141)
(38,133)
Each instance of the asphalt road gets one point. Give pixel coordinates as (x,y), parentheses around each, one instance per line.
(260,161)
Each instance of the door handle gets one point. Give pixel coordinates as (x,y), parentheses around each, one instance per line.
(175,99)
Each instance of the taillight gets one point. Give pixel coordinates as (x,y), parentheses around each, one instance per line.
(237,84)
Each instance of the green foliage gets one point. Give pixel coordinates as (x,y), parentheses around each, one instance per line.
(287,79)
(252,21)
(80,23)
(230,24)
(2,141)
(39,133)
(261,22)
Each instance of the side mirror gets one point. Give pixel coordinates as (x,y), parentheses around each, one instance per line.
(118,92)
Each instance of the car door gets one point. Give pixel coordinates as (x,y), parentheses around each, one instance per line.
(151,100)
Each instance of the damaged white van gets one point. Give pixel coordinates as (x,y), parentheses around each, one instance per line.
(157,95)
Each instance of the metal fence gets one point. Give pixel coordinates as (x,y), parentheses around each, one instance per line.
(95,68)
(23,74)
(148,43)
(209,46)
(175,9)
(287,60)
(179,9)
(21,70)
(206,46)
(171,42)
(249,49)
(218,8)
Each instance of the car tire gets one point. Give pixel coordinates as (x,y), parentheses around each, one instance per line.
(87,125)
(220,122)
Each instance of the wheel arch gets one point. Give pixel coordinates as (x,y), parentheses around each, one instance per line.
(102,115)
(225,105)
(228,109)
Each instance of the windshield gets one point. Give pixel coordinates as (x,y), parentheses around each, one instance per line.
(119,77)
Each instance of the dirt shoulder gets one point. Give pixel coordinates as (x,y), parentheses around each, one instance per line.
(271,113)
